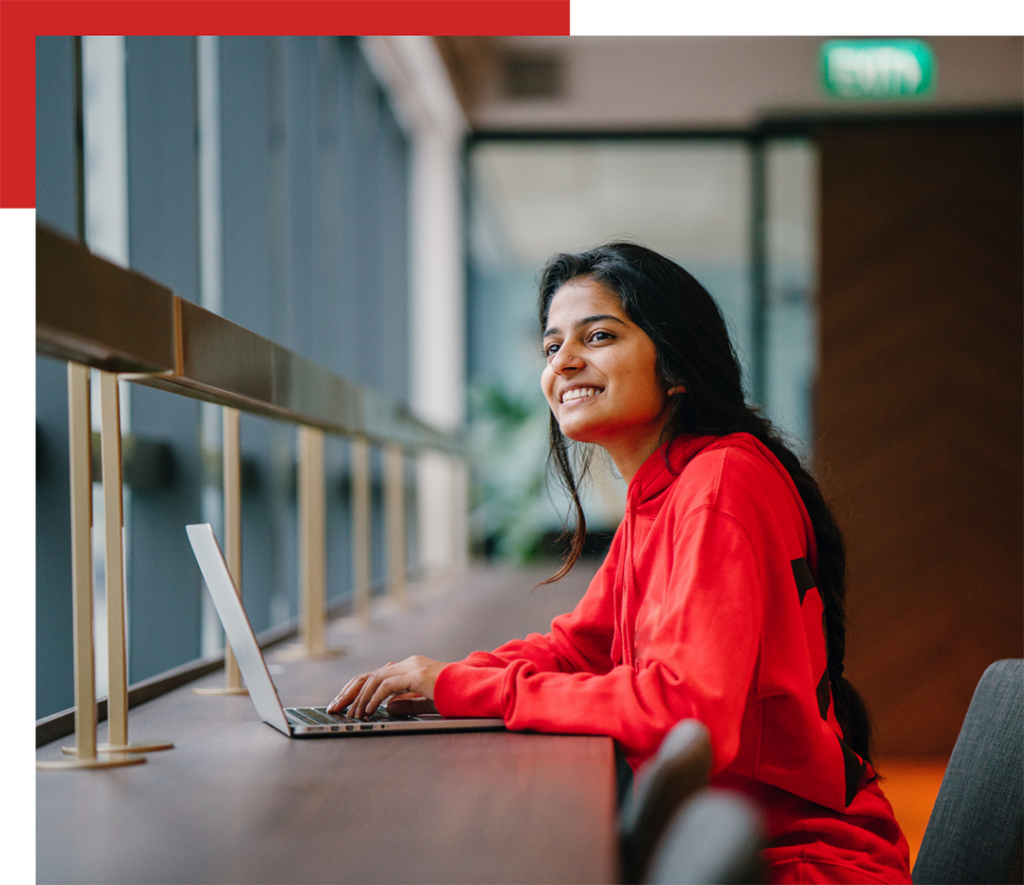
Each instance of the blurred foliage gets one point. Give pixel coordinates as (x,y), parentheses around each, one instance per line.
(511,509)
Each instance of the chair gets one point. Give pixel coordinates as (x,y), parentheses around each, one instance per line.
(715,838)
(974,833)
(681,766)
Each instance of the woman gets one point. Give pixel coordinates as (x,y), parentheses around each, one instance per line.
(721,597)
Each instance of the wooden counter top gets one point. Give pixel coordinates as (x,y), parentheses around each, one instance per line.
(236,801)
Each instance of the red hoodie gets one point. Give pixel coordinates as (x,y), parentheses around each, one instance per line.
(706,608)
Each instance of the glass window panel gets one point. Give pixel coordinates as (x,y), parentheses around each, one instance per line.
(791,231)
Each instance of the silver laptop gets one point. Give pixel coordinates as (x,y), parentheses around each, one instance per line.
(295,721)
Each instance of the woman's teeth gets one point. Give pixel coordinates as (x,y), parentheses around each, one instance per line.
(579,393)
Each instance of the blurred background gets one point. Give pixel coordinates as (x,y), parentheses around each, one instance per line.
(383,206)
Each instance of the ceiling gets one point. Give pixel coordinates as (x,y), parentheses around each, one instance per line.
(560,84)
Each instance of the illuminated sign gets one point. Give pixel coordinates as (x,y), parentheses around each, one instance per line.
(877,68)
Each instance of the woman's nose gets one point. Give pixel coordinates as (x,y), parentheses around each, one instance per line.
(566,360)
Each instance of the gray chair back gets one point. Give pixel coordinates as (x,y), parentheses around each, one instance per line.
(681,766)
(715,838)
(975,830)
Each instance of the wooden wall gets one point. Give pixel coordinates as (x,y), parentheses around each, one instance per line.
(920,408)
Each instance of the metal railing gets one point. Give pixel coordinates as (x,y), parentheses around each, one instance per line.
(95,314)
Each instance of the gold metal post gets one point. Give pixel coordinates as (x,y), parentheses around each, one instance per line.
(113,523)
(394,463)
(232,539)
(360,457)
(84,751)
(312,549)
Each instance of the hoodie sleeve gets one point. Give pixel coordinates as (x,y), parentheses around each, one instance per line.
(577,642)
(696,647)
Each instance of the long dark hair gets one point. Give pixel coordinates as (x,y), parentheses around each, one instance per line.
(684,322)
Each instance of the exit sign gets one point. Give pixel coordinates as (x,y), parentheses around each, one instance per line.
(882,69)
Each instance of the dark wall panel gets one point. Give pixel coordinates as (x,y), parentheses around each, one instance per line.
(164,583)
(56,147)
(919,410)
(254,142)
(331,335)
(57,206)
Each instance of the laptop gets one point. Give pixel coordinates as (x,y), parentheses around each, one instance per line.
(295,721)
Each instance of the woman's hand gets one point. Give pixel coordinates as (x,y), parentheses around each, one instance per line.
(411,679)
(409,703)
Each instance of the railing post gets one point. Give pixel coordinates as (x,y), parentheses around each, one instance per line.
(394,477)
(113,527)
(113,523)
(312,548)
(359,451)
(232,539)
(80,430)
(232,442)
(80,444)
(457,505)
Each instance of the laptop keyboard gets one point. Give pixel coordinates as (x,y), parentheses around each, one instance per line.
(320,716)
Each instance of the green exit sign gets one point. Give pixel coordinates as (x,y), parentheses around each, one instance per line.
(877,68)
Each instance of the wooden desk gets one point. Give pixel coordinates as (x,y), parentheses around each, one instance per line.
(236,801)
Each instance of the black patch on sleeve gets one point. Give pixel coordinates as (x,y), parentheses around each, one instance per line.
(802,576)
(854,768)
(824,693)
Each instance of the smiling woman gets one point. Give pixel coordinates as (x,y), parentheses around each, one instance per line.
(722,596)
(601,379)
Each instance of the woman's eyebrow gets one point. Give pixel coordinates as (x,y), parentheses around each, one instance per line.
(586,321)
